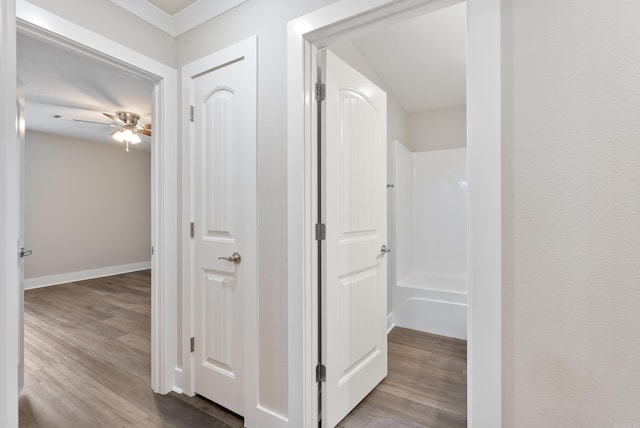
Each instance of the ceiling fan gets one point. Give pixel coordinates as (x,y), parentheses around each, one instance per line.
(127,124)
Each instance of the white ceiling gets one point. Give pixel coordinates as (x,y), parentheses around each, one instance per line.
(62,82)
(423,60)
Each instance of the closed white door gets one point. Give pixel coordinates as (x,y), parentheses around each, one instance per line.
(224,164)
(354,210)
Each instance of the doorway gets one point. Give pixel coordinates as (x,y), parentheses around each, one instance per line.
(163,169)
(317,30)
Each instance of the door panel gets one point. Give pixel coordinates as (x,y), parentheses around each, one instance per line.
(354,284)
(21,153)
(219,139)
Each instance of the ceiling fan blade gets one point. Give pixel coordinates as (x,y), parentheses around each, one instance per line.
(145,132)
(95,123)
(114,118)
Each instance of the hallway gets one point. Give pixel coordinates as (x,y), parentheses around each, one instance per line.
(87,364)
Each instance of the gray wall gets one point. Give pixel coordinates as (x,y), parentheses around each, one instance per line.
(87,205)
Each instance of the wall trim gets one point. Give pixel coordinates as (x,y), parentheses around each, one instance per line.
(390,323)
(81,275)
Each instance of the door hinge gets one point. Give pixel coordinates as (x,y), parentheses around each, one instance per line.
(192,229)
(321,373)
(321,232)
(193,344)
(153,251)
(191,113)
(321,92)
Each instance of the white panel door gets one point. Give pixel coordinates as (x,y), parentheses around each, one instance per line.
(222,166)
(23,251)
(354,209)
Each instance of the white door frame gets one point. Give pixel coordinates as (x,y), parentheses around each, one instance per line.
(347,18)
(42,23)
(246,51)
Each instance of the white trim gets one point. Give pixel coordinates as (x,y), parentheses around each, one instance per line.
(347,17)
(163,173)
(484,162)
(149,12)
(247,50)
(183,21)
(390,323)
(9,220)
(201,12)
(81,275)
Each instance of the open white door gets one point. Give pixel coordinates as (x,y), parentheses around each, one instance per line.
(223,98)
(23,252)
(354,210)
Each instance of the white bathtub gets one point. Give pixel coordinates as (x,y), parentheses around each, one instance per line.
(431,303)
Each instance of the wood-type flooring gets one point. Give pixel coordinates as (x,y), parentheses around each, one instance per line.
(87,364)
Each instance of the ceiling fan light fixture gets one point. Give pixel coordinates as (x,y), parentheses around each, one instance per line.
(126,135)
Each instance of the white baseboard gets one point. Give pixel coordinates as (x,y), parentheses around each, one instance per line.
(63,278)
(390,323)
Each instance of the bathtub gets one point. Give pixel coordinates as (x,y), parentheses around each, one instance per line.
(433,303)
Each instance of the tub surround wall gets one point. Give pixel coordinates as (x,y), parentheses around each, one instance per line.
(430,293)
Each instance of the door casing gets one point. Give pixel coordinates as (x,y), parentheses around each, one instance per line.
(42,24)
(348,18)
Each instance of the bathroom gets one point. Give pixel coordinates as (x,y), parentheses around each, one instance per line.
(421,64)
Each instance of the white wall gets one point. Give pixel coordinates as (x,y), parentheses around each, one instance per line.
(438,129)
(112,21)
(572,210)
(87,206)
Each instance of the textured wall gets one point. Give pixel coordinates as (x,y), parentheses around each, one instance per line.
(87,205)
(572,211)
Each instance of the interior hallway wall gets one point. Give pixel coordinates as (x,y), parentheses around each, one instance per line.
(571,186)
(87,205)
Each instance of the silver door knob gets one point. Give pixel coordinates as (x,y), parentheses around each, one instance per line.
(384,250)
(25,252)
(235,258)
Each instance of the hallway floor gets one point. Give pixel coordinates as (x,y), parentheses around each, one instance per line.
(87,364)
